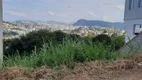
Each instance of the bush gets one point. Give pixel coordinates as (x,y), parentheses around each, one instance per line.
(36,39)
(60,36)
(28,42)
(102,38)
(117,41)
(64,54)
(75,37)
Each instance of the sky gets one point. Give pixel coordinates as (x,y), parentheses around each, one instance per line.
(63,10)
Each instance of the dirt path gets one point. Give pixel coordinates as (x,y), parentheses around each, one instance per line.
(135,74)
(95,70)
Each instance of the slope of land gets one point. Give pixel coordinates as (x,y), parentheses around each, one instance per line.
(95,70)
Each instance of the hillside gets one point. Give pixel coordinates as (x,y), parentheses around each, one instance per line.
(20,27)
(83,22)
(94,70)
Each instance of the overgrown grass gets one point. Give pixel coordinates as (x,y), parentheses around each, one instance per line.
(67,53)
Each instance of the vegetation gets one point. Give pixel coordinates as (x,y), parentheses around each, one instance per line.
(10,34)
(117,41)
(102,39)
(28,42)
(67,53)
(57,48)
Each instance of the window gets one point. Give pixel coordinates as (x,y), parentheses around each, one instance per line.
(140,3)
(137,29)
(131,4)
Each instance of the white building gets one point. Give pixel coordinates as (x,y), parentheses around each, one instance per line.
(133,18)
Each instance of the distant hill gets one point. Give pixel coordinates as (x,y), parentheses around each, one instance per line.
(83,22)
(23,21)
(34,22)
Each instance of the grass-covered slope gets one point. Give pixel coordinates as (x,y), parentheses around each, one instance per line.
(67,53)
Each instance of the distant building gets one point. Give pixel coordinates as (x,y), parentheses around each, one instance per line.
(133,18)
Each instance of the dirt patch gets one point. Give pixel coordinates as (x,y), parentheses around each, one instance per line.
(23,78)
(138,57)
(134,74)
(11,73)
(94,70)
(122,64)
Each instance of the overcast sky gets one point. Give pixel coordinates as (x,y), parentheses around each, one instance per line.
(63,10)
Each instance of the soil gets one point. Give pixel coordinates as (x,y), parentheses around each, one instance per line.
(95,70)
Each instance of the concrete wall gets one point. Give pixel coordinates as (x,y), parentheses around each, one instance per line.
(129,26)
(1,34)
(132,17)
(133,46)
(133,14)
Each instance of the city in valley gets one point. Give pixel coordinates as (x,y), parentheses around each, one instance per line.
(17,28)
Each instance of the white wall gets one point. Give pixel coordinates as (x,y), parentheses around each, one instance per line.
(129,26)
(1,34)
(135,13)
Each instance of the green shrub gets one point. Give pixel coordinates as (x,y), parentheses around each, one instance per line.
(117,41)
(64,54)
(11,46)
(6,43)
(75,37)
(28,42)
(102,38)
(36,39)
(60,36)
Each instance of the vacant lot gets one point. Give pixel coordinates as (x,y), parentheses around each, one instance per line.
(94,70)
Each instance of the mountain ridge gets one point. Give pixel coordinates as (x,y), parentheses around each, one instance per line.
(84,22)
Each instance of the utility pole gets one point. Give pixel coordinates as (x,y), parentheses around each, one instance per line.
(1,34)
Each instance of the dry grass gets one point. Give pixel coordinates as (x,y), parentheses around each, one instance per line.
(138,57)
(94,70)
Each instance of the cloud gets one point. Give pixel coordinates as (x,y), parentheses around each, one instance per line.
(51,13)
(92,14)
(63,14)
(65,10)
(105,18)
(6,0)
(121,7)
(17,13)
(45,14)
